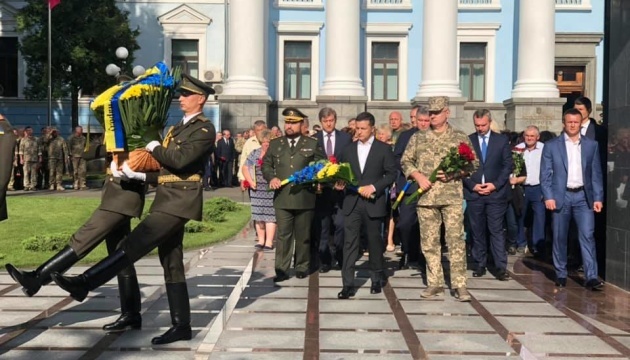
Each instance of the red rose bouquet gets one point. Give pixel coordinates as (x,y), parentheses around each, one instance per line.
(457,159)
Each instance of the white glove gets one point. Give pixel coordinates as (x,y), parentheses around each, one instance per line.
(113,167)
(152,145)
(132,175)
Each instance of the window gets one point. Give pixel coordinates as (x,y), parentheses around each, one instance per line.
(297,70)
(385,71)
(185,53)
(472,71)
(8,66)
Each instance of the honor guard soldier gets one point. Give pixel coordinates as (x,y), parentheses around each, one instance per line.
(294,204)
(7,145)
(178,199)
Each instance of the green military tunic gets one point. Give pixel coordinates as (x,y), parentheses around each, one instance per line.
(7,145)
(294,204)
(442,203)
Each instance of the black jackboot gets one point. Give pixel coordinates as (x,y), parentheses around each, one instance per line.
(94,277)
(32,281)
(129,292)
(179,304)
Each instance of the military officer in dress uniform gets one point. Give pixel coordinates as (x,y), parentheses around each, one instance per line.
(178,199)
(7,145)
(294,204)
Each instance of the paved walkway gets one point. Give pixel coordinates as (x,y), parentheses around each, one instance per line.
(239,313)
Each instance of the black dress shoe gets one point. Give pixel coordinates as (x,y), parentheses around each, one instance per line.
(125,321)
(402,263)
(280,278)
(561,282)
(175,333)
(594,285)
(503,276)
(325,268)
(511,250)
(345,293)
(300,274)
(479,272)
(376,287)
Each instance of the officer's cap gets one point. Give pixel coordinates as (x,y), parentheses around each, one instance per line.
(189,85)
(292,115)
(437,103)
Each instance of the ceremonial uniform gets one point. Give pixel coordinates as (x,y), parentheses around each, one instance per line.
(294,204)
(7,145)
(441,203)
(76,146)
(178,199)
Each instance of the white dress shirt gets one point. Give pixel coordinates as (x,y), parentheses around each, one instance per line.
(574,163)
(187,118)
(532,162)
(584,127)
(363,149)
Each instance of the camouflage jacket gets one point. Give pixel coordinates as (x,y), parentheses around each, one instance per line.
(424,153)
(57,148)
(76,145)
(30,149)
(43,142)
(238,145)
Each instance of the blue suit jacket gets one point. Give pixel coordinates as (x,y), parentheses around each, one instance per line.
(553,171)
(496,169)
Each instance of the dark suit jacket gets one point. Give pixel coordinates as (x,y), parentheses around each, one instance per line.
(553,171)
(184,156)
(225,150)
(597,132)
(7,145)
(329,197)
(399,149)
(379,170)
(281,162)
(496,168)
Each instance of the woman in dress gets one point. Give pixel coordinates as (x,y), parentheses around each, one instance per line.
(263,212)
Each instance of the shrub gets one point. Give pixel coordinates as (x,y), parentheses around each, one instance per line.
(197,227)
(51,242)
(214,210)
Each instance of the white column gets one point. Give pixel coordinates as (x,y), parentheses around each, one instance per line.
(342,49)
(536,50)
(246,49)
(439,50)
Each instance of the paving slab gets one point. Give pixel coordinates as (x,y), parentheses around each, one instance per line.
(541,325)
(579,345)
(272,339)
(487,343)
(361,340)
(355,321)
(449,323)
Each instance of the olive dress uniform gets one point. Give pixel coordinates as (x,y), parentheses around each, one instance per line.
(7,145)
(294,204)
(178,199)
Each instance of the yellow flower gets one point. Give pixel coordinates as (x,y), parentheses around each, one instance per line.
(105,97)
(332,170)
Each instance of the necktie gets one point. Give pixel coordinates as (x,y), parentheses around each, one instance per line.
(484,148)
(292,142)
(329,150)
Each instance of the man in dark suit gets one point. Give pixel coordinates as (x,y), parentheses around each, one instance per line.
(328,220)
(374,166)
(407,228)
(294,203)
(572,186)
(178,199)
(7,146)
(225,153)
(486,192)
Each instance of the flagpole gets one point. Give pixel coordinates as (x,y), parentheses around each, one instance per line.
(49,121)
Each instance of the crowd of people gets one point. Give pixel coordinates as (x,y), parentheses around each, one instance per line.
(39,163)
(497,207)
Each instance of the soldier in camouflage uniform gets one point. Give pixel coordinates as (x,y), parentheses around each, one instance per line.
(76,145)
(57,153)
(442,202)
(16,160)
(43,175)
(31,157)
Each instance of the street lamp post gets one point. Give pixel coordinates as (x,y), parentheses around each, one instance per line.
(114,70)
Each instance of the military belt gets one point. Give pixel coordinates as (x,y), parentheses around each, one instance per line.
(163,179)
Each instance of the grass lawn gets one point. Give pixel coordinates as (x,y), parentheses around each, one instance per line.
(29,216)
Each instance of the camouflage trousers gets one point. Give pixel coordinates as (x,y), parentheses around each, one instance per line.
(79,169)
(431,218)
(55,168)
(30,174)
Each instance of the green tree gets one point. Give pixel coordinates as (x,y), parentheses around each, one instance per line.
(85,35)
